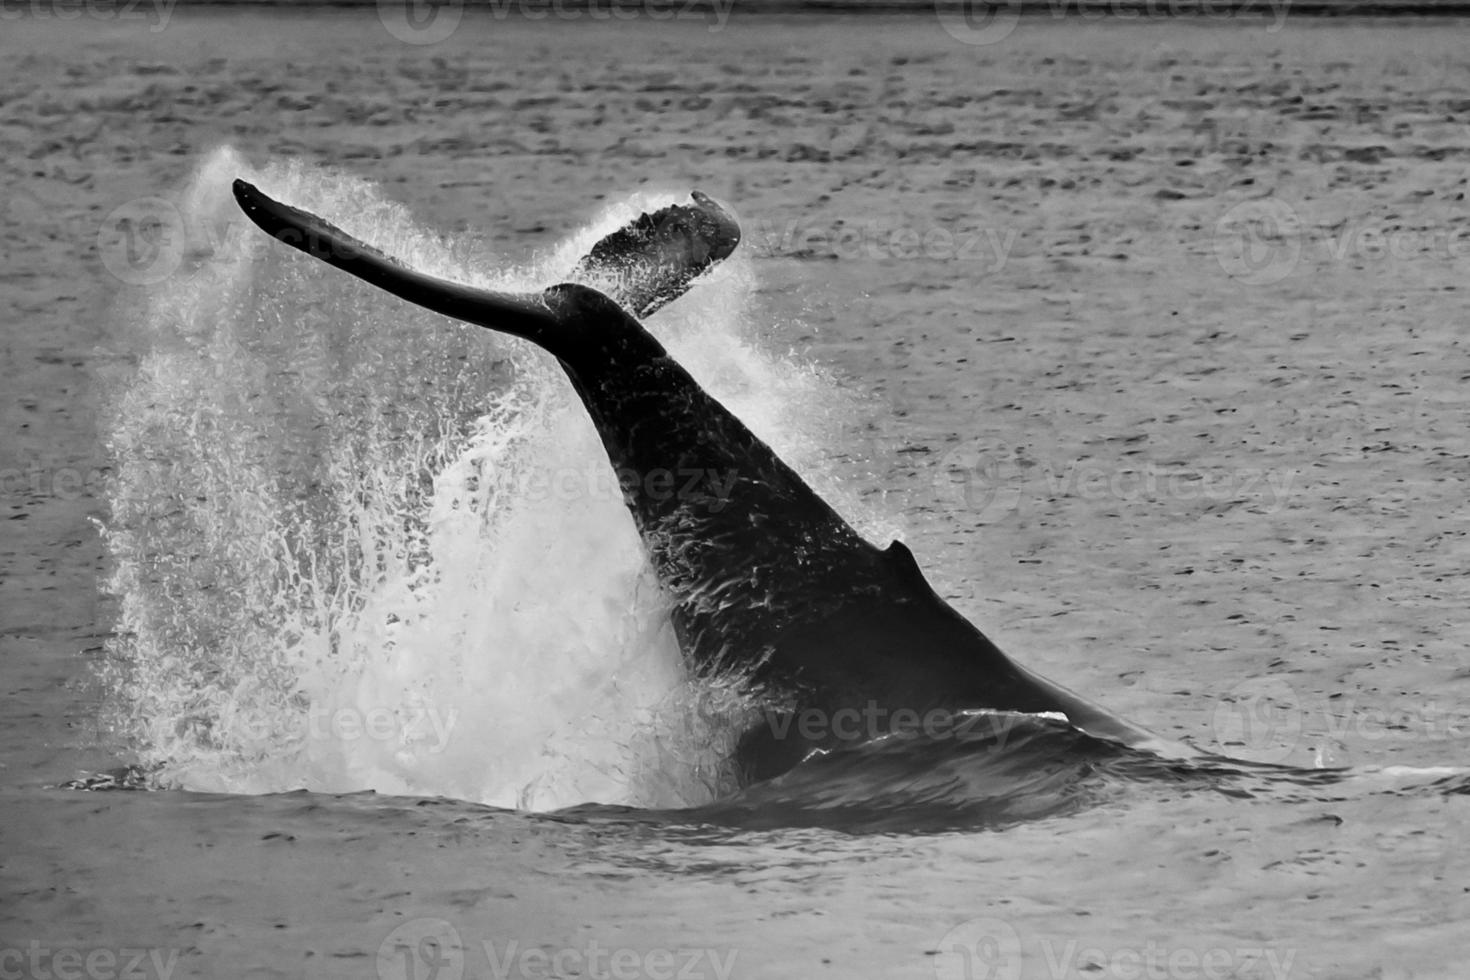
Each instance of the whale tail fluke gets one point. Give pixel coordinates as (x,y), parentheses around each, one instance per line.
(642,266)
(652,260)
(522,315)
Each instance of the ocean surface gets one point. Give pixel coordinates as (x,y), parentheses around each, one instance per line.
(1146,337)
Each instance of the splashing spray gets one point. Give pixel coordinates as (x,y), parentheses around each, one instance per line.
(357,548)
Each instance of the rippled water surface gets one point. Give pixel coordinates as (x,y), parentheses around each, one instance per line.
(1146,338)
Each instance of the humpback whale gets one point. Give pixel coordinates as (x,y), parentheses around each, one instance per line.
(764,578)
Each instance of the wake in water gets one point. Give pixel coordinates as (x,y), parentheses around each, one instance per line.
(357,550)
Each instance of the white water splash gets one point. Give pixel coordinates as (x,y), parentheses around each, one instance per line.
(357,547)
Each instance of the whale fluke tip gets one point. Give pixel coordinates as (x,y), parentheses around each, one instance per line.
(248,196)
